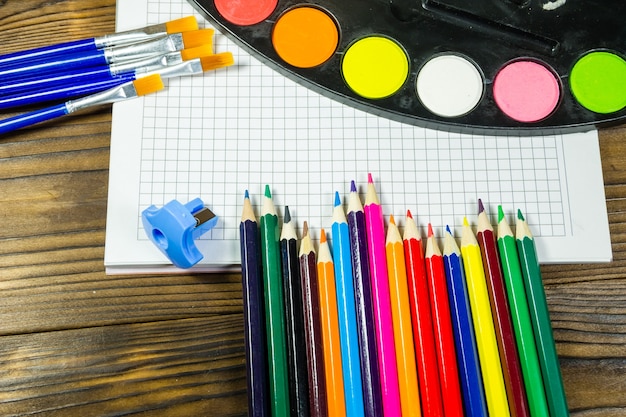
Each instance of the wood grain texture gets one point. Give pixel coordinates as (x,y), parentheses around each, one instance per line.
(76,342)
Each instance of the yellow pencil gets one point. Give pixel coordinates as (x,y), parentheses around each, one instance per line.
(401,315)
(491,368)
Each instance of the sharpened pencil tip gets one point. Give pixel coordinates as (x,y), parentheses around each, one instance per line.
(337,199)
(246,194)
(305,228)
(430,230)
(500,213)
(448,229)
(352,186)
(370,180)
(519,215)
(287,215)
(268,193)
(481,207)
(465,222)
(408,214)
(322,236)
(392,220)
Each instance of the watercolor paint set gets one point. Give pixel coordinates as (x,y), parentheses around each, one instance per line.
(535,66)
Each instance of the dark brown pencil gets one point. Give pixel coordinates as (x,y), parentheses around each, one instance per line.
(312,327)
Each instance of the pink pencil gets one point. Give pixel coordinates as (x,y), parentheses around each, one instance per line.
(381,300)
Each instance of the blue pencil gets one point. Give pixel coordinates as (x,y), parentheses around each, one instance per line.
(348,334)
(253,312)
(467,356)
(184,24)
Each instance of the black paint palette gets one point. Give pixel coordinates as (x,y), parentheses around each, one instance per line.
(494,66)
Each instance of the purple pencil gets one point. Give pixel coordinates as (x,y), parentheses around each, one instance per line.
(372,399)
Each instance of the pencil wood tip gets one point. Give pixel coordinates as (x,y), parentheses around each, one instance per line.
(305,228)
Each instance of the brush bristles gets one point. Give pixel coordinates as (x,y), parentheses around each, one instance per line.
(198,37)
(216,61)
(185,24)
(198,52)
(148,84)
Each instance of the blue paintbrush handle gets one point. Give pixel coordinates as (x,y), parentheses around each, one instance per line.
(45,52)
(31,118)
(55,64)
(62,92)
(15,86)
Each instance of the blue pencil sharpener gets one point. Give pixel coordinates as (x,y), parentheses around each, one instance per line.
(174,228)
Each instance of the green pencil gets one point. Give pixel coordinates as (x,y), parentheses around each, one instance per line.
(540,318)
(522,326)
(274,309)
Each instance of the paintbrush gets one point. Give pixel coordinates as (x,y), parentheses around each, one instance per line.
(131,89)
(186,24)
(191,67)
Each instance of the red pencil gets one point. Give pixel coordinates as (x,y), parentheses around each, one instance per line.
(442,321)
(505,336)
(427,368)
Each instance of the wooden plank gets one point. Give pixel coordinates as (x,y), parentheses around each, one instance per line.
(188,367)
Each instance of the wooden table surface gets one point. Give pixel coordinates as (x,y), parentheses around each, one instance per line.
(78,343)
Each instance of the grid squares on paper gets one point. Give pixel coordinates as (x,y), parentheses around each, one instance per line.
(245,126)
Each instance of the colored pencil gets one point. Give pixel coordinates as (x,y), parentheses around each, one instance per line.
(520,315)
(370,377)
(505,335)
(330,330)
(540,317)
(467,356)
(382,302)
(132,89)
(274,309)
(185,24)
(442,324)
(346,311)
(294,319)
(102,57)
(253,312)
(89,86)
(491,368)
(401,315)
(427,367)
(312,326)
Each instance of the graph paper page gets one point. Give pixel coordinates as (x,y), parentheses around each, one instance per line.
(218,134)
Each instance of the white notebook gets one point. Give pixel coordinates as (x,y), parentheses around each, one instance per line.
(218,134)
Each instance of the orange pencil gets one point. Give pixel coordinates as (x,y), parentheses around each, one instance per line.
(330,330)
(401,316)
